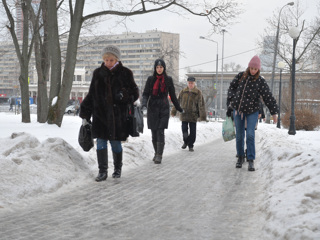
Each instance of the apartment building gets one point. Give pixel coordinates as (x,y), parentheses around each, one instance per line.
(138,51)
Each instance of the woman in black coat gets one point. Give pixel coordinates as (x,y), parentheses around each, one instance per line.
(112,89)
(155,99)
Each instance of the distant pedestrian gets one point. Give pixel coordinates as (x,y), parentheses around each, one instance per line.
(155,99)
(11,104)
(76,109)
(111,91)
(244,103)
(192,102)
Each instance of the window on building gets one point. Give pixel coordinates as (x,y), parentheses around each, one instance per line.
(77,78)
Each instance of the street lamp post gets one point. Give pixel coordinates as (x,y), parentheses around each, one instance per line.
(281,66)
(217,57)
(294,34)
(275,53)
(221,84)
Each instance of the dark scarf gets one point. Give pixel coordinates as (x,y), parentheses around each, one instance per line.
(159,84)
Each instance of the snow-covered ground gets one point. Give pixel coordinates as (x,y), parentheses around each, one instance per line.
(40,160)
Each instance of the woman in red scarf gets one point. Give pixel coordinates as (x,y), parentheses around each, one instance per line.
(155,99)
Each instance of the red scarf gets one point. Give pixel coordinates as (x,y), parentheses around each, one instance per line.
(159,83)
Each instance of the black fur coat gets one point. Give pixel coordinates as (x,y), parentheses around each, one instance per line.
(106,106)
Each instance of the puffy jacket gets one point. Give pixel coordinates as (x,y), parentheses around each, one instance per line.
(109,112)
(244,95)
(192,103)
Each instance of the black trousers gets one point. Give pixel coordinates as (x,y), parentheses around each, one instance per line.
(157,135)
(189,137)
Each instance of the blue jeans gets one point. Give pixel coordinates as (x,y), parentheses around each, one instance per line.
(239,121)
(115,145)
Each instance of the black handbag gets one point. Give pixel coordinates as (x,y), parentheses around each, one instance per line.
(139,118)
(85,137)
(132,122)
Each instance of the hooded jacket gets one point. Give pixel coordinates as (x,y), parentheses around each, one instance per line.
(244,95)
(106,106)
(192,103)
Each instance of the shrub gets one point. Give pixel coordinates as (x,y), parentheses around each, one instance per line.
(305,119)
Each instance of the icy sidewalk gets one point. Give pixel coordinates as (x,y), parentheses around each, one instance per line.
(198,195)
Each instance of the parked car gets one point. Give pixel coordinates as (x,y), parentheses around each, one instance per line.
(70,109)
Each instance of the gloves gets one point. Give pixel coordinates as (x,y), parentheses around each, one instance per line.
(229,111)
(84,122)
(119,96)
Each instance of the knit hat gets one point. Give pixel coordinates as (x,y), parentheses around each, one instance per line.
(255,62)
(191,79)
(159,62)
(114,50)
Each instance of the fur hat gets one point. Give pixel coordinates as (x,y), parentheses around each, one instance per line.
(191,79)
(114,50)
(255,62)
(159,62)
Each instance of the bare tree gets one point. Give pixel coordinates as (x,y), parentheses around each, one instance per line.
(23,52)
(304,54)
(41,50)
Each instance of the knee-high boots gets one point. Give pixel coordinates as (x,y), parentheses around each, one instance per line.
(159,152)
(102,156)
(117,162)
(154,143)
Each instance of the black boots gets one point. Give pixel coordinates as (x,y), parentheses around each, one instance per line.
(251,165)
(102,156)
(117,162)
(155,149)
(158,157)
(240,162)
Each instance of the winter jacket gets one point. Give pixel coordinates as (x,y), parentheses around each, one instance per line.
(192,103)
(243,96)
(106,106)
(158,106)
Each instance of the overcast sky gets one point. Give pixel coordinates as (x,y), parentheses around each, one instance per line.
(239,38)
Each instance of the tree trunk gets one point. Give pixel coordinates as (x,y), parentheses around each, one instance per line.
(42,64)
(25,109)
(24,63)
(56,111)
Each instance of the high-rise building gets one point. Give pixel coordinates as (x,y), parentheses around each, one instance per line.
(19,17)
(138,52)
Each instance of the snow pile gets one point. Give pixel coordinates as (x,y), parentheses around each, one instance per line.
(291,168)
(37,159)
(31,169)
